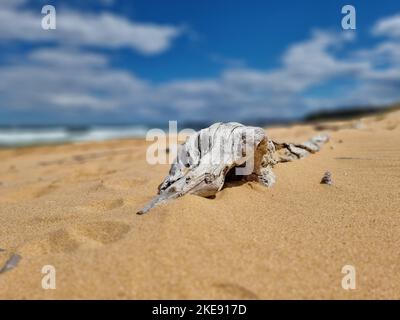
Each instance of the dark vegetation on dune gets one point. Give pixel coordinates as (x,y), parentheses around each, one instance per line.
(349,112)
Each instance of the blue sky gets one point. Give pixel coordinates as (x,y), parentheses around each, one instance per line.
(153,61)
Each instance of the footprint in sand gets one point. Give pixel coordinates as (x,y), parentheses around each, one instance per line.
(30,192)
(90,173)
(51,219)
(84,236)
(104,232)
(391,127)
(45,190)
(125,184)
(234,291)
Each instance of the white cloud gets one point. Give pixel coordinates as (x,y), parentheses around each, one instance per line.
(385,55)
(67,57)
(389,26)
(104,30)
(75,80)
(11,3)
(108,30)
(67,79)
(79,100)
(304,65)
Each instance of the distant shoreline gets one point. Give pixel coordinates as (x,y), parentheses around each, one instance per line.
(12,136)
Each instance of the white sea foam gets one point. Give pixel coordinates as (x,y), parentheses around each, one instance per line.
(34,136)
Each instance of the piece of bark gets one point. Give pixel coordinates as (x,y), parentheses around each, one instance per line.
(207,157)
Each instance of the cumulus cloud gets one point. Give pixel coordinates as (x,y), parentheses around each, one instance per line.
(104,30)
(57,79)
(380,82)
(72,79)
(388,26)
(11,3)
(66,57)
(304,64)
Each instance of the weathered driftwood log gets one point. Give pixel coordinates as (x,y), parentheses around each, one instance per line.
(227,151)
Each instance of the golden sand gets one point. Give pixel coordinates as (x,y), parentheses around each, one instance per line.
(73,207)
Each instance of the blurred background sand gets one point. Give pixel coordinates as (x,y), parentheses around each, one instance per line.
(73,206)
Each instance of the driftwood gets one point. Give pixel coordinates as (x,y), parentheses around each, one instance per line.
(227,151)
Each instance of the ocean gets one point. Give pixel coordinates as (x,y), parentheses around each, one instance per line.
(27,136)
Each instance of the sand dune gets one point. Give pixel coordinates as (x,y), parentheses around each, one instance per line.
(73,207)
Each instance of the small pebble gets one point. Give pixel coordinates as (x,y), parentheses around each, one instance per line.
(11,263)
(327,178)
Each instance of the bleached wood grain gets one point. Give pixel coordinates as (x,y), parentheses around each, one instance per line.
(206,159)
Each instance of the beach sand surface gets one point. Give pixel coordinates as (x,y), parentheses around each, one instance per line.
(73,207)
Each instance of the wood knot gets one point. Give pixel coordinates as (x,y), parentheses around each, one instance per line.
(209,178)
